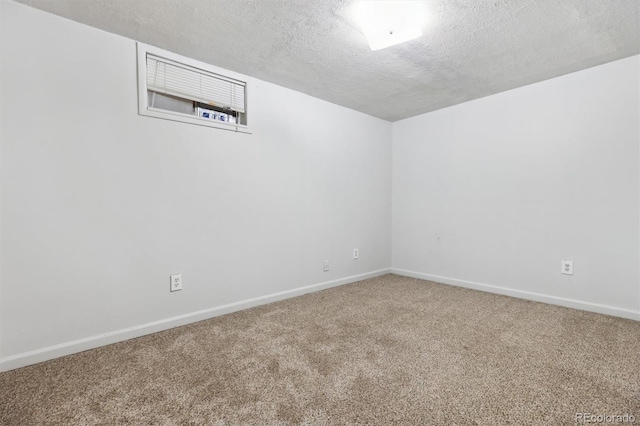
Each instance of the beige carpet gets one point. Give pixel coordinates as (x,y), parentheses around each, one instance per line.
(389,350)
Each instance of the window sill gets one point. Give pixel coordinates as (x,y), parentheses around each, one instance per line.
(192,119)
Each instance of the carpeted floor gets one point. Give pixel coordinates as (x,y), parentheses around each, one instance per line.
(390,350)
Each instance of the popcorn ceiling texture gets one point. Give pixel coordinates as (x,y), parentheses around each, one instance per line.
(470,48)
(390,350)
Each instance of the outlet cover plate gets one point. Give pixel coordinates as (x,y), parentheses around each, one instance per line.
(567,267)
(176,282)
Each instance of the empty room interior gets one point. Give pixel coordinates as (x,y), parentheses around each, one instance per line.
(319,212)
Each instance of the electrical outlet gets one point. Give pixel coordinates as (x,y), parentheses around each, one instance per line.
(567,267)
(356,253)
(176,282)
(326,266)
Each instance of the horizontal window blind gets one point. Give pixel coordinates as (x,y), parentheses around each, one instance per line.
(183,81)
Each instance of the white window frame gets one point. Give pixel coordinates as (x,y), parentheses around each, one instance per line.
(144,109)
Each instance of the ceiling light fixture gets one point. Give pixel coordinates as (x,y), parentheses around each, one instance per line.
(386,23)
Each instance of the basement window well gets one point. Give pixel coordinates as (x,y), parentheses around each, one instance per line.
(176,88)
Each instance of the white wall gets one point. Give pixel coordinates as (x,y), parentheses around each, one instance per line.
(496,192)
(100,205)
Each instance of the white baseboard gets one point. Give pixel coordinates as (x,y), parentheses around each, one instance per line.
(67,348)
(537,297)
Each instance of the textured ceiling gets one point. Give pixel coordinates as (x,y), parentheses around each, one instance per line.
(470,48)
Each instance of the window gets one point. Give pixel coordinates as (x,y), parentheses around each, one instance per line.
(182,89)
